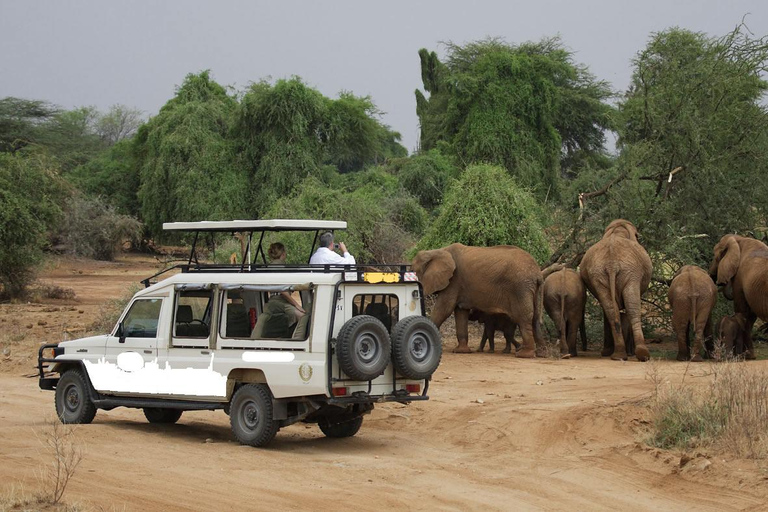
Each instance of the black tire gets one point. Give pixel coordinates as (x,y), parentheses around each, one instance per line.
(346,428)
(416,347)
(162,414)
(250,415)
(73,400)
(363,348)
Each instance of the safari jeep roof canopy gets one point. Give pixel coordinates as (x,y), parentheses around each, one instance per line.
(233,226)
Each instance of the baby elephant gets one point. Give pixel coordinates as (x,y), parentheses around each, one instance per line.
(732,330)
(692,296)
(564,299)
(492,324)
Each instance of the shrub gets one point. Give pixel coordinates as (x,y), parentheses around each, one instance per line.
(426,177)
(29,191)
(93,229)
(487,207)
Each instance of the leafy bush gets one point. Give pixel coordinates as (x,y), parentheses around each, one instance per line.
(93,229)
(487,207)
(426,176)
(29,192)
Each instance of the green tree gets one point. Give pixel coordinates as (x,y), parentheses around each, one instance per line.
(189,169)
(426,176)
(30,192)
(487,207)
(528,108)
(20,121)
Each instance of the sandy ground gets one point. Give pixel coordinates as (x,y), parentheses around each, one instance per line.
(499,433)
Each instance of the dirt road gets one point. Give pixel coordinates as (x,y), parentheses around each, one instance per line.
(498,434)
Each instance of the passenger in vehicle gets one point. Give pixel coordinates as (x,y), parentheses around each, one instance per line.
(283,302)
(324,254)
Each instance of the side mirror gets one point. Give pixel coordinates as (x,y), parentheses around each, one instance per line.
(121,332)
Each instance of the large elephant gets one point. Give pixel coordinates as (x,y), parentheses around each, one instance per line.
(741,265)
(495,280)
(564,299)
(617,271)
(692,296)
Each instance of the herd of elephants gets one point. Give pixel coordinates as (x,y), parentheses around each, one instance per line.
(504,288)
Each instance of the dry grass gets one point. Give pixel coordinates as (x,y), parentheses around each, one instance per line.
(65,454)
(51,291)
(729,413)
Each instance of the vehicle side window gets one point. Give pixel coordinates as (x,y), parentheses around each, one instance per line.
(383,307)
(193,314)
(240,313)
(281,319)
(141,320)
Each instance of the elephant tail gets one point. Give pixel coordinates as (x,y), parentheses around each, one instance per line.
(538,306)
(694,300)
(616,310)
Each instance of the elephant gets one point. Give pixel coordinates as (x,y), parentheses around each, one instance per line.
(731,331)
(496,280)
(491,324)
(617,271)
(564,299)
(692,296)
(740,265)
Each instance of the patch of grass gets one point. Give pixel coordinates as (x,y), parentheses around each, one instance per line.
(110,312)
(52,291)
(730,413)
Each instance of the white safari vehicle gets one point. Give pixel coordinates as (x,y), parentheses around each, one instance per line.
(219,337)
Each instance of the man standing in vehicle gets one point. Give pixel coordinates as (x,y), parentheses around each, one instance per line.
(324,254)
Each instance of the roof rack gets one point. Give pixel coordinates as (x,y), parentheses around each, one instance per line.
(254,226)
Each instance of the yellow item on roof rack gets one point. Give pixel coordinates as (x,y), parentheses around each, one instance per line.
(381,277)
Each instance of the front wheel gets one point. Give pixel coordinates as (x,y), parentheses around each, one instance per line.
(73,405)
(162,415)
(250,415)
(346,428)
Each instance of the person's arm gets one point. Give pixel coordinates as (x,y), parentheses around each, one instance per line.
(347,259)
(289,298)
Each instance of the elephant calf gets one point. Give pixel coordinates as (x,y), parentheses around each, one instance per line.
(491,324)
(692,296)
(564,298)
(732,333)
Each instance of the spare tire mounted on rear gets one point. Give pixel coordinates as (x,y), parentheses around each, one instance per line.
(363,348)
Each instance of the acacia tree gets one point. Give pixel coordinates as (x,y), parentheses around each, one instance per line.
(528,108)
(694,144)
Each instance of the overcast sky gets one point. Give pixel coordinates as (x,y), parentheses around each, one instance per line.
(100,53)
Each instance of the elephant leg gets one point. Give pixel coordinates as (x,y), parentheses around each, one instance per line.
(632,303)
(698,340)
(611,310)
(483,340)
(680,326)
(709,342)
(748,346)
(572,331)
(626,331)
(462,333)
(527,331)
(607,337)
(491,327)
(509,336)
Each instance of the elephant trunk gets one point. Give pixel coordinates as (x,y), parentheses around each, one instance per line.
(728,290)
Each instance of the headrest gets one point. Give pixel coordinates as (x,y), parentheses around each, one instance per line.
(183,314)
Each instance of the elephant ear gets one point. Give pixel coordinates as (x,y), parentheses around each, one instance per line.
(434,269)
(728,254)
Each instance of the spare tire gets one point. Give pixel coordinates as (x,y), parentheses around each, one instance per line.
(416,347)
(363,348)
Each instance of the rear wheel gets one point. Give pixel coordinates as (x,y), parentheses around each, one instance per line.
(416,347)
(346,428)
(73,403)
(250,415)
(362,347)
(162,414)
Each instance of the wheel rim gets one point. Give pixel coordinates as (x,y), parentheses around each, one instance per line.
(418,347)
(71,398)
(367,348)
(250,418)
